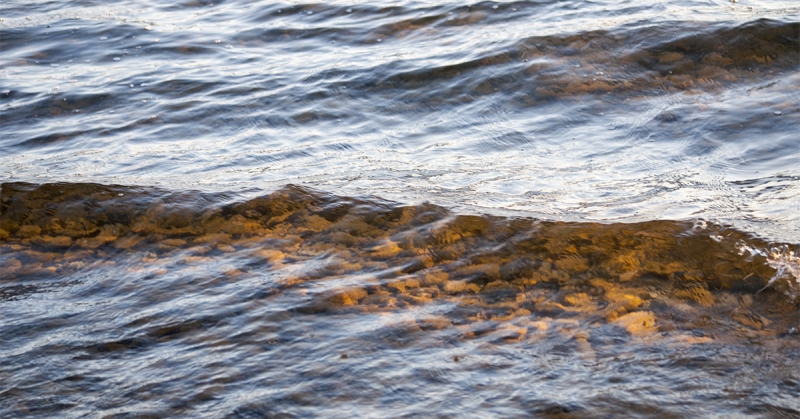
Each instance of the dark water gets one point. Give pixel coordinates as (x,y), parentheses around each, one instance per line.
(520,209)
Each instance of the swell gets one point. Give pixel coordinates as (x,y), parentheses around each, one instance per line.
(622,61)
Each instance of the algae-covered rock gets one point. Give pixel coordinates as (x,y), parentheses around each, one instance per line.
(27,231)
(640,323)
(698,295)
(434,278)
(348,297)
(455,287)
(52,242)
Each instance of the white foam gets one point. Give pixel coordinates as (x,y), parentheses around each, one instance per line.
(785,262)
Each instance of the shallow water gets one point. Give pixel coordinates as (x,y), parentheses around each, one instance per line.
(548,209)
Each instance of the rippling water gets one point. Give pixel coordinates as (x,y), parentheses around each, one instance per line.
(509,209)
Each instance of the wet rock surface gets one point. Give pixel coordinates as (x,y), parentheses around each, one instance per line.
(335,280)
(389,257)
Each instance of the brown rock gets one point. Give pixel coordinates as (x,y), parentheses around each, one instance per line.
(751,319)
(238,224)
(669,57)
(640,323)
(269,255)
(453,287)
(128,241)
(399,285)
(52,242)
(488,271)
(697,294)
(573,264)
(434,278)
(412,283)
(577,300)
(3,234)
(716,59)
(313,223)
(386,250)
(214,238)
(348,297)
(174,242)
(27,231)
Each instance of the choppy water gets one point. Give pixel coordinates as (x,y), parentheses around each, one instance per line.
(547,209)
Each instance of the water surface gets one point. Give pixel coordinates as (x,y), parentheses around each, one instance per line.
(399,209)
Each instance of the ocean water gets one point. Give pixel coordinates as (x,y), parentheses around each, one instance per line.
(400,209)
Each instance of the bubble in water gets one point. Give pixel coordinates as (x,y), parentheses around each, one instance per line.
(777,113)
(494,7)
(53,65)
(217,41)
(147,28)
(349,10)
(380,40)
(116,58)
(310,12)
(103,38)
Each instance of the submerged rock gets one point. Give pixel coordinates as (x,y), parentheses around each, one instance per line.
(643,278)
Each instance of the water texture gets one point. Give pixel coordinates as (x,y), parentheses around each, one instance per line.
(568,110)
(552,209)
(143,302)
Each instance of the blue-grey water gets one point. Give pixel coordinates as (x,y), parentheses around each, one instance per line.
(391,209)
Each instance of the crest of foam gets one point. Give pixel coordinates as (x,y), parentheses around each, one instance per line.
(785,262)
